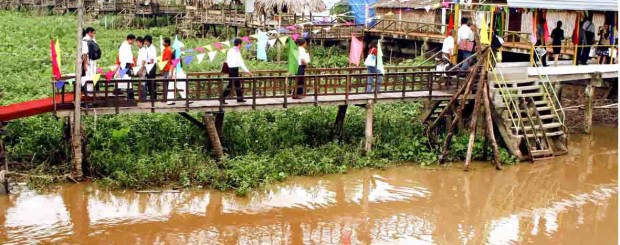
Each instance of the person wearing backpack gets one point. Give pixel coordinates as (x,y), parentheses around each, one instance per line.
(90,54)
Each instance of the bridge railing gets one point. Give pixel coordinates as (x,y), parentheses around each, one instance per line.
(317,88)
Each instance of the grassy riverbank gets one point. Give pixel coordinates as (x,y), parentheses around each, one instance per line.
(140,151)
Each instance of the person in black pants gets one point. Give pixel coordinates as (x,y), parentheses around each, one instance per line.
(234,61)
(540,41)
(304,59)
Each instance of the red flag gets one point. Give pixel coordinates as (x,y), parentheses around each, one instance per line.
(546,27)
(450,24)
(55,68)
(576,30)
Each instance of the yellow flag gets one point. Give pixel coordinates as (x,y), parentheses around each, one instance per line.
(484,34)
(162,64)
(58,54)
(227,43)
(96,78)
(223,51)
(208,47)
(283,39)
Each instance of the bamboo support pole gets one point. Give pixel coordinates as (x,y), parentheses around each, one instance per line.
(489,123)
(473,124)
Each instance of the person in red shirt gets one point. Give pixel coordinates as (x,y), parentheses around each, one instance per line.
(167,57)
(371,64)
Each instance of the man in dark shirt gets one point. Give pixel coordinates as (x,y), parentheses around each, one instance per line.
(557,35)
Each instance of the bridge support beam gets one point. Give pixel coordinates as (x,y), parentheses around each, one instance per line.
(368,126)
(214,138)
(596,81)
(339,124)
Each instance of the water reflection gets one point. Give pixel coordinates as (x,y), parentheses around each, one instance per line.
(568,200)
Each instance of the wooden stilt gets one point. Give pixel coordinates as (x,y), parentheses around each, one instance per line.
(219,123)
(489,122)
(589,103)
(87,168)
(214,138)
(76,144)
(4,183)
(473,125)
(339,124)
(589,97)
(368,126)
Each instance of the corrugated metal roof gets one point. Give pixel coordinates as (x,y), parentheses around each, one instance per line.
(603,5)
(412,4)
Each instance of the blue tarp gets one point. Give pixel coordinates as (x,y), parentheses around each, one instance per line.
(358,7)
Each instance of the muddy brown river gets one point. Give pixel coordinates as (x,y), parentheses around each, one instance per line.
(571,199)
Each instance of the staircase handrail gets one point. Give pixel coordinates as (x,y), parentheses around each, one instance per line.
(552,96)
(511,105)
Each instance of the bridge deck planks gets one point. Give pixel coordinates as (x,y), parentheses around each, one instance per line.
(264,103)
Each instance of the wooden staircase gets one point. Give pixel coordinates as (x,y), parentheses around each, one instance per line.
(532,128)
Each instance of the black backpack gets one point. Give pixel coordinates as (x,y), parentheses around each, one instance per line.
(94,53)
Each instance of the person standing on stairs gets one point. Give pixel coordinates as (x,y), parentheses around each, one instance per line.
(541,50)
(234,61)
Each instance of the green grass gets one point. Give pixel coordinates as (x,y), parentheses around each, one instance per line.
(140,151)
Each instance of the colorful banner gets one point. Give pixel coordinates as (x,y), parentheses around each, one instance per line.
(212,55)
(380,68)
(261,49)
(200,57)
(55,67)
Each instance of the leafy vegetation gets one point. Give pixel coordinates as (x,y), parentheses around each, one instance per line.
(139,151)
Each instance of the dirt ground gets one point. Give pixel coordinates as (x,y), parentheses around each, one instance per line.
(573,99)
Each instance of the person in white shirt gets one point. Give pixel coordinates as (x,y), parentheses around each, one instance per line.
(150,61)
(235,61)
(465,41)
(140,71)
(126,61)
(125,55)
(89,66)
(303,60)
(447,49)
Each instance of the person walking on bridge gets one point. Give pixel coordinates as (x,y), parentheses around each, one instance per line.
(465,41)
(371,66)
(126,62)
(90,54)
(304,59)
(234,61)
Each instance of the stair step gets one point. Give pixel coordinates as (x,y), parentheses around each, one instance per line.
(545,126)
(526,95)
(537,103)
(531,87)
(541,154)
(542,117)
(550,134)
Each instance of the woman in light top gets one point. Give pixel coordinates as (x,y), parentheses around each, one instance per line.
(371,65)
(304,59)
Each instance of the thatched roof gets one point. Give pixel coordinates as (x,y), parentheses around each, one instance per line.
(289,6)
(411,4)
